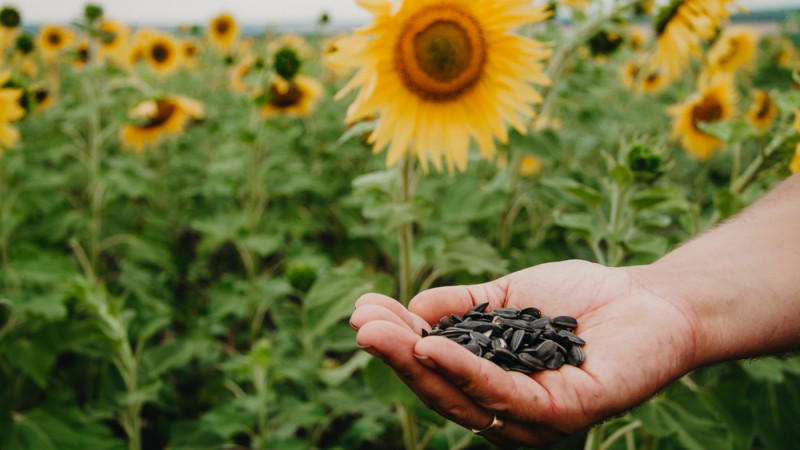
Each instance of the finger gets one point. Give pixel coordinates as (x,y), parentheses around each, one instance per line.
(435,303)
(497,392)
(394,345)
(392,305)
(368,313)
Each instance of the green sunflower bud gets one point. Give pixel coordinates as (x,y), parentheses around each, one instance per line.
(92,12)
(645,163)
(24,43)
(9,17)
(301,275)
(605,43)
(287,63)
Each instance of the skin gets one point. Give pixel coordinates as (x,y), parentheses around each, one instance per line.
(730,293)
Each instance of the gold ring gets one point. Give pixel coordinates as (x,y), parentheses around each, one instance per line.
(496,423)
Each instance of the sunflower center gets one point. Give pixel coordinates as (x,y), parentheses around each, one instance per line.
(54,39)
(83,54)
(160,52)
(222,27)
(764,107)
(709,110)
(40,96)
(189,50)
(440,53)
(732,50)
(290,97)
(164,110)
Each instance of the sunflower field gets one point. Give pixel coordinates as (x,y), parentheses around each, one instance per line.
(188,215)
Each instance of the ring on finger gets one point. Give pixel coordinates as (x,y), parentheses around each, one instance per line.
(496,424)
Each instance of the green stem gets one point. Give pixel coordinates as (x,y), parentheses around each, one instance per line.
(409,425)
(594,438)
(749,174)
(557,63)
(405,232)
(513,207)
(624,431)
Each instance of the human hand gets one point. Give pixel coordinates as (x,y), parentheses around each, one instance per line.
(636,344)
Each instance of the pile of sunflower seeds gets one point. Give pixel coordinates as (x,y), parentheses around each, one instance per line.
(514,339)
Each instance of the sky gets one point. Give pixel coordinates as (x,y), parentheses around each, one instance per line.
(253,12)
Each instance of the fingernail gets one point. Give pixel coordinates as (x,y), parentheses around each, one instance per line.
(421,357)
(352,326)
(364,347)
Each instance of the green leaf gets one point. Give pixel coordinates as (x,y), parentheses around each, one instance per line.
(333,295)
(263,245)
(584,223)
(786,100)
(144,394)
(357,129)
(659,196)
(727,203)
(336,376)
(177,353)
(383,181)
(474,256)
(685,417)
(48,306)
(647,243)
(621,175)
(193,436)
(586,194)
(34,357)
(770,369)
(730,132)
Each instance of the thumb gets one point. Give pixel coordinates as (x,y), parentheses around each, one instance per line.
(435,303)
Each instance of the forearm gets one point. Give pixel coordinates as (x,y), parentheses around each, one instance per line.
(739,283)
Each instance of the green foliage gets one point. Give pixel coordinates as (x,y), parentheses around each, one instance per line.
(196,296)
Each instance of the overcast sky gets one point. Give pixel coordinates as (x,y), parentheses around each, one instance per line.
(255,12)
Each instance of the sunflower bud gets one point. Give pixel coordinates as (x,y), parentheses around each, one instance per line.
(645,163)
(9,17)
(24,43)
(287,63)
(301,276)
(605,43)
(92,12)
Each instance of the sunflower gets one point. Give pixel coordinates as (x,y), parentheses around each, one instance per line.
(530,166)
(295,98)
(113,40)
(763,112)
(158,118)
(713,102)
(81,54)
(138,44)
(439,72)
(223,31)
(43,98)
(53,39)
(10,110)
(162,53)
(189,53)
(237,75)
(734,49)
(331,58)
(787,56)
(290,41)
(794,164)
(628,74)
(681,27)
(637,37)
(652,83)
(576,4)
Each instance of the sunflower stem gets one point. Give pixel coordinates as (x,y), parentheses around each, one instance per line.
(558,61)
(749,174)
(405,231)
